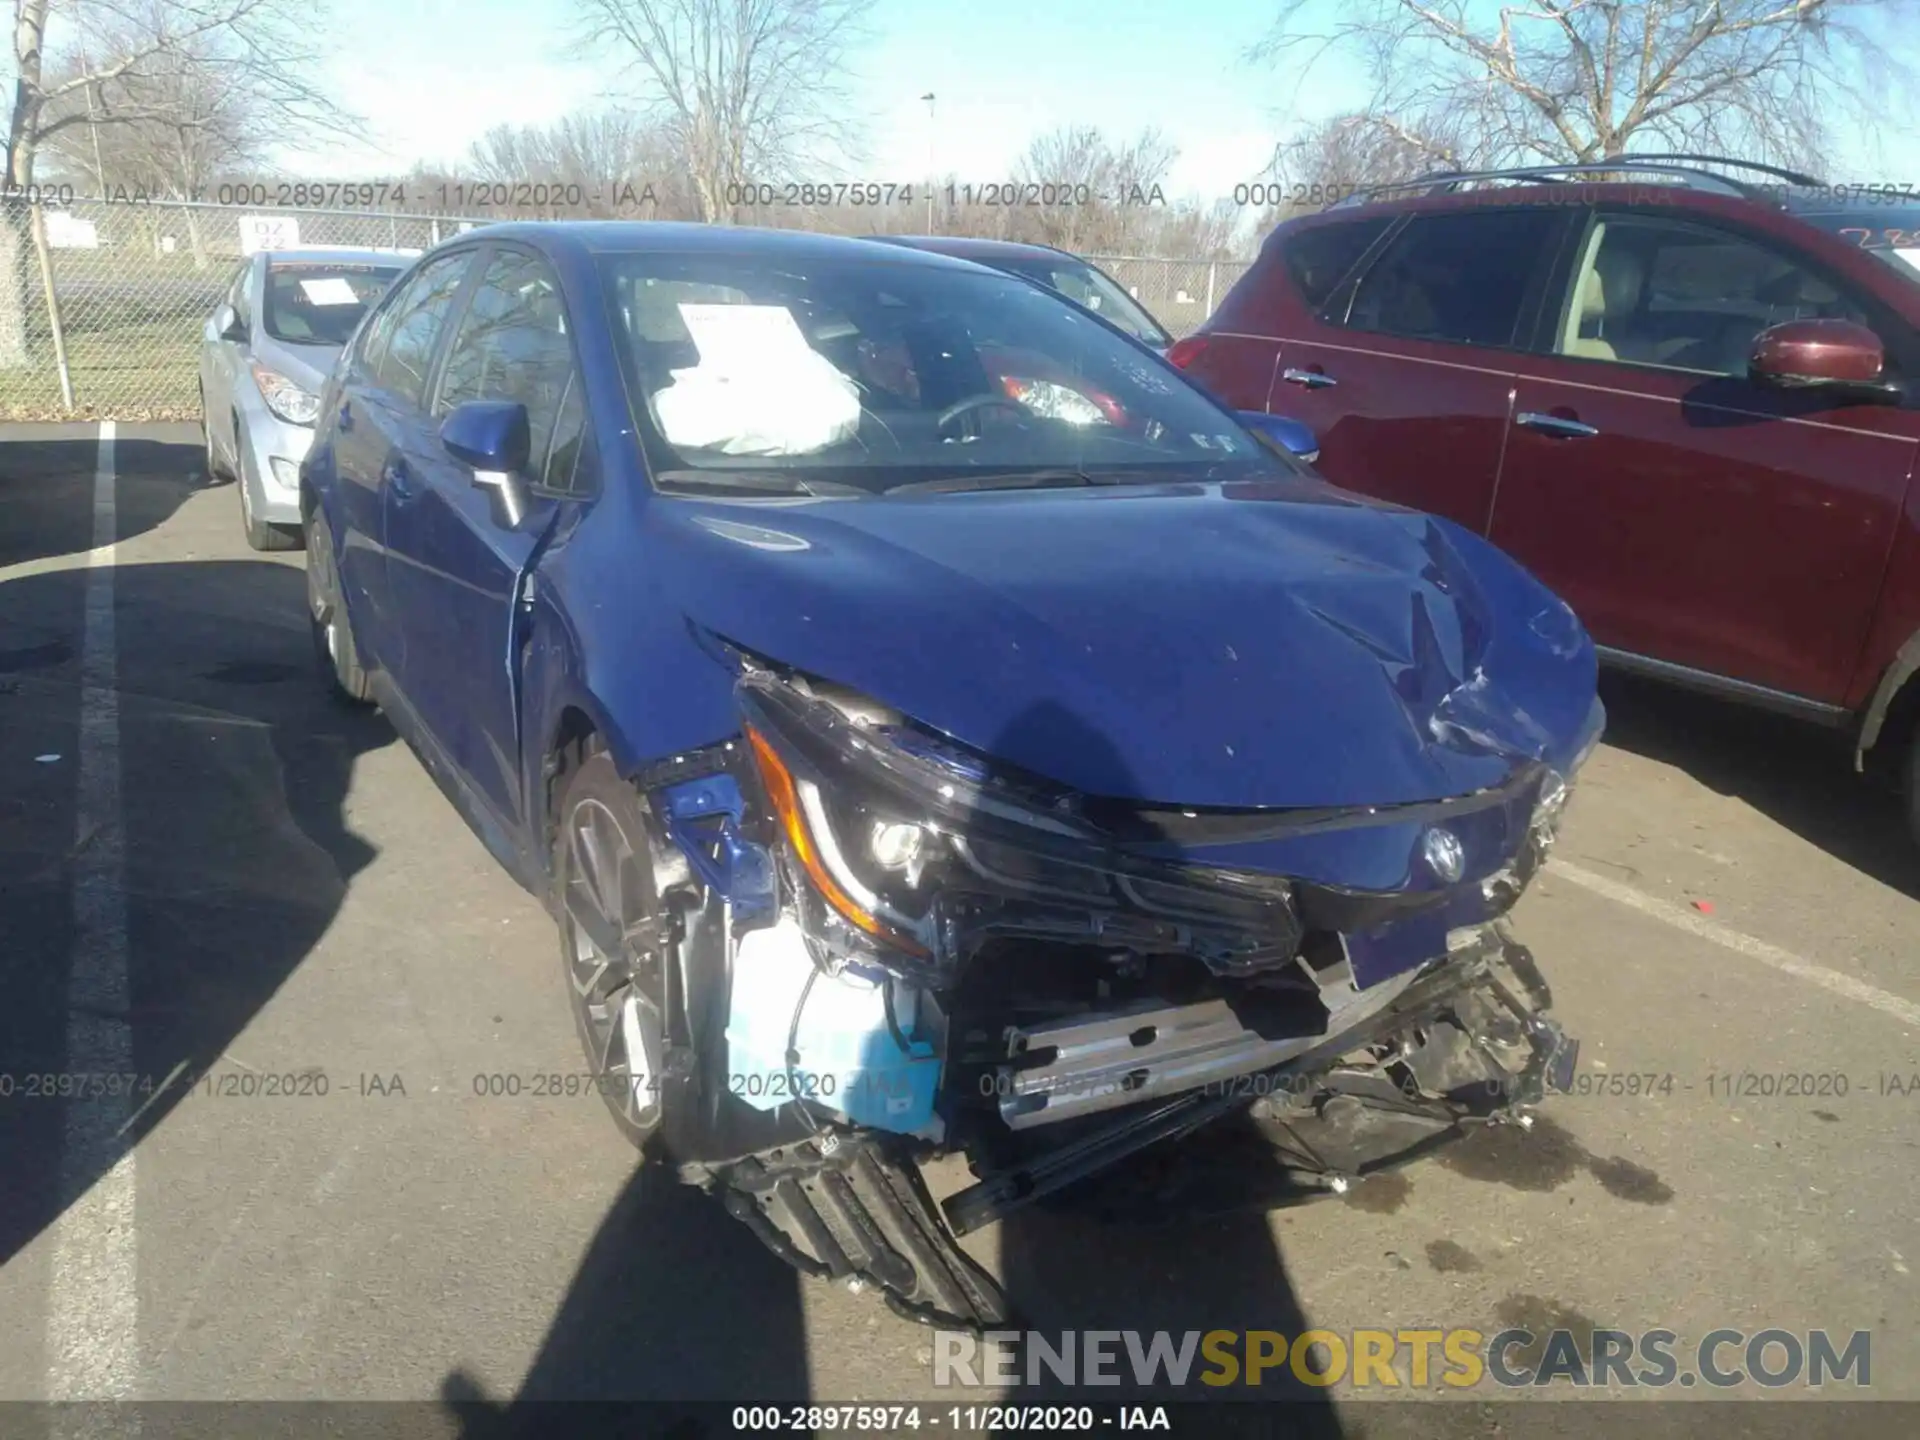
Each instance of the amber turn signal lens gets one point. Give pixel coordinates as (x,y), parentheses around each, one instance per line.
(785,799)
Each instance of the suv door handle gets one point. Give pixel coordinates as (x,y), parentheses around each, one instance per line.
(1558,425)
(346,415)
(1312,379)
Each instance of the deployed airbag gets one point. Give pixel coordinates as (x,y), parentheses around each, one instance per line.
(759,388)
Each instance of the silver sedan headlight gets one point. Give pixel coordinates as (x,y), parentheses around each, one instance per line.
(292,403)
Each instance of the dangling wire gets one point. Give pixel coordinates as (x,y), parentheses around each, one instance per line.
(793,1054)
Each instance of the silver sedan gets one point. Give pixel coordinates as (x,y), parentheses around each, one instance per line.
(264,354)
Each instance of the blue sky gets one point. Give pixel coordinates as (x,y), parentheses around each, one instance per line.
(433,75)
(1003,71)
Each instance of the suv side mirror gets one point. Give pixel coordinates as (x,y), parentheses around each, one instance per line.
(1820,354)
(227,324)
(493,437)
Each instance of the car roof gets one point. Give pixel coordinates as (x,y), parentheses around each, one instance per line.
(340,254)
(597,237)
(1838,201)
(987,252)
(1803,204)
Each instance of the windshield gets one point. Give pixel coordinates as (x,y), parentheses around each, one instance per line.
(319,304)
(1890,232)
(1100,293)
(851,376)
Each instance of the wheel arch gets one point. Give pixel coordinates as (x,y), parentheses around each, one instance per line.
(565,723)
(574,736)
(1894,712)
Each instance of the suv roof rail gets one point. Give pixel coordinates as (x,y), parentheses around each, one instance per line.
(1792,177)
(1689,169)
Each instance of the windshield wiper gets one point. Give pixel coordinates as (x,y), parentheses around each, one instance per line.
(1000,480)
(753,482)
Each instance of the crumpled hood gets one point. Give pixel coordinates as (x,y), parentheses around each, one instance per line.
(1278,643)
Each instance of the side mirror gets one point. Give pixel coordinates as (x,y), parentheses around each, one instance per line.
(226,324)
(1280,433)
(1820,354)
(492,436)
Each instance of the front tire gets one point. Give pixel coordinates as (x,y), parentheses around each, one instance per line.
(206,439)
(613,942)
(333,645)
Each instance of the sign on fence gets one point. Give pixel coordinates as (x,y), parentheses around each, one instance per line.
(67,231)
(268,232)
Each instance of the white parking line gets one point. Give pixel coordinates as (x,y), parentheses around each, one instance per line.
(1784,961)
(93,1316)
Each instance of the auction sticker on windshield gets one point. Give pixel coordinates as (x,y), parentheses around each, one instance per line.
(329,290)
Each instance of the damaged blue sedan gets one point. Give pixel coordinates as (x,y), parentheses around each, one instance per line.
(936,727)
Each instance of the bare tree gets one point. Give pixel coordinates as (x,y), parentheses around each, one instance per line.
(1332,158)
(115,63)
(748,89)
(1192,231)
(1092,194)
(190,128)
(625,165)
(1476,81)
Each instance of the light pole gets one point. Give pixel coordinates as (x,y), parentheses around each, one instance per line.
(928,97)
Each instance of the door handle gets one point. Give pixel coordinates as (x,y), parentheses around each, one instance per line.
(1312,379)
(397,476)
(1557,425)
(346,415)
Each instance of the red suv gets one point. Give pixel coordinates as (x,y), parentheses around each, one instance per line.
(1689,403)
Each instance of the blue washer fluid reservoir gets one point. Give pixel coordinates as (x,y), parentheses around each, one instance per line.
(848,1060)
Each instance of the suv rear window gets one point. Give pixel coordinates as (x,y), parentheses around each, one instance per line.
(1459,276)
(1320,258)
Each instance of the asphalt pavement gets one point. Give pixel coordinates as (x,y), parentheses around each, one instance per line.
(321,1184)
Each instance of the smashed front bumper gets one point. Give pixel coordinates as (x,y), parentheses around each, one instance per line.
(923,956)
(1465,1040)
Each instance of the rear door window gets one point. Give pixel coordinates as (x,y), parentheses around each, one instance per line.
(1461,277)
(1102,294)
(1318,259)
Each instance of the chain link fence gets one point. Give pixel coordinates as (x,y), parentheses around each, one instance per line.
(102,304)
(1178,293)
(101,310)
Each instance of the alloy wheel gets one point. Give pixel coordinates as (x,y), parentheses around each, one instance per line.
(614,964)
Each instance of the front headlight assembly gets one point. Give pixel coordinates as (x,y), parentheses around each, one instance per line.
(292,403)
(912,851)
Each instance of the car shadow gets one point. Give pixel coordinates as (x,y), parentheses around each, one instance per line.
(1176,1239)
(1799,775)
(675,1303)
(207,788)
(46,478)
